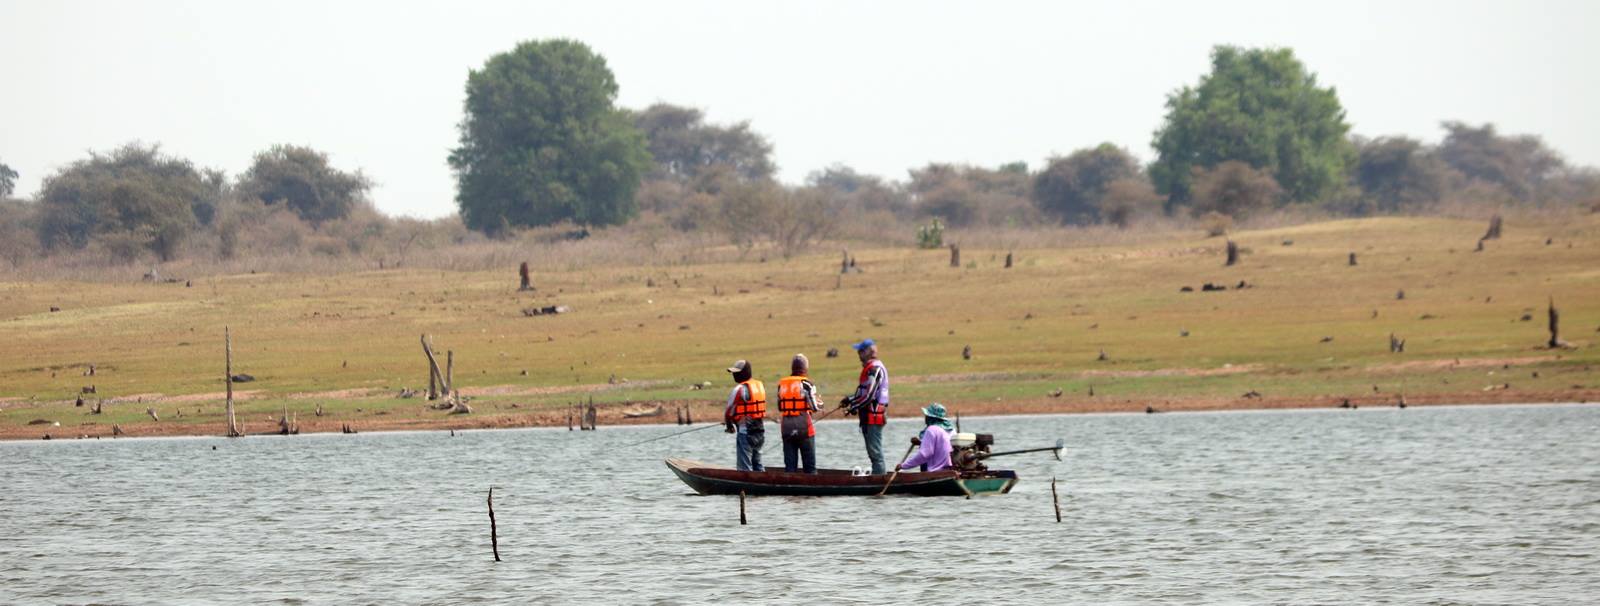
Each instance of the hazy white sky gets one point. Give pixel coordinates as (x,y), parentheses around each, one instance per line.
(881,86)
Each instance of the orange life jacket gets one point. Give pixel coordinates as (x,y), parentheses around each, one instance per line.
(754,407)
(792,401)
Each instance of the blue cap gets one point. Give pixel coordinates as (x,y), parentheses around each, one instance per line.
(863,345)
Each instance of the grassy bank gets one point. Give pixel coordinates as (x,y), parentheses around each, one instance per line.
(349,342)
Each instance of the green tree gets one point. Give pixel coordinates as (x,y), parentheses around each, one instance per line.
(1399,173)
(8,180)
(542,141)
(1234,189)
(1071,188)
(1260,107)
(301,179)
(132,198)
(683,144)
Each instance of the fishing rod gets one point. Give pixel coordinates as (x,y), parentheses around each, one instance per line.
(1061,444)
(677,433)
(825,415)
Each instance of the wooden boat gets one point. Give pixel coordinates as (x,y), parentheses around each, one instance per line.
(710,479)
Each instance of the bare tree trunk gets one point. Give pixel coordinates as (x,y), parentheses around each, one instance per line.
(1233,254)
(844,265)
(227,345)
(434,377)
(955,256)
(1008,260)
(450,374)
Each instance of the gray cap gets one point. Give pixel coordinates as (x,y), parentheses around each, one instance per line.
(739,367)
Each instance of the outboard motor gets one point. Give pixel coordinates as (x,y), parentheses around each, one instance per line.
(966,448)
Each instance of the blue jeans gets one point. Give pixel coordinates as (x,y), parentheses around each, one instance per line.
(800,449)
(873,436)
(747,450)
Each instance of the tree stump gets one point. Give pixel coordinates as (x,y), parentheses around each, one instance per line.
(1233,254)
(527,280)
(1008,260)
(1494,229)
(955,256)
(1555,331)
(1352,259)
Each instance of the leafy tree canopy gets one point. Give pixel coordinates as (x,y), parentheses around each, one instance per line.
(1260,107)
(542,141)
(1071,188)
(301,179)
(1399,173)
(1521,163)
(859,191)
(966,195)
(135,196)
(684,145)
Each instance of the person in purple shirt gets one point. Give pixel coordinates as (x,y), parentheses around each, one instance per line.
(933,453)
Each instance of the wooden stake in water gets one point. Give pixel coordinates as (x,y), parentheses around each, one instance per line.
(494,535)
(227,348)
(1055,498)
(741,508)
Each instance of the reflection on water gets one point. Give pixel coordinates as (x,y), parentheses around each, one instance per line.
(1424,505)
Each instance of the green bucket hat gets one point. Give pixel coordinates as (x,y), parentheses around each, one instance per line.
(937,411)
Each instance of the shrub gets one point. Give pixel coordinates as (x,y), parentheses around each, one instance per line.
(1216,224)
(1235,189)
(931,235)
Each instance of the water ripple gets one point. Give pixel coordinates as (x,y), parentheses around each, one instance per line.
(1424,506)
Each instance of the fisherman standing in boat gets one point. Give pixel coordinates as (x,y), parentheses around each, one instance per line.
(746,411)
(933,452)
(871,401)
(797,399)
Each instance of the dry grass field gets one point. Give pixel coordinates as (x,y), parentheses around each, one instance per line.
(1309,330)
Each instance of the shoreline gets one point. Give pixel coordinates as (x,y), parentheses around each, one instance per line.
(500,418)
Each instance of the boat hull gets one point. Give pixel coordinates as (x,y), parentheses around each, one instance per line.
(707,480)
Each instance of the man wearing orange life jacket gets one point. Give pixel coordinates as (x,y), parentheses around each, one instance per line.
(746,411)
(870,402)
(797,399)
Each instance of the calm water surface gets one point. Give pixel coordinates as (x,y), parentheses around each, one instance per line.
(1417,506)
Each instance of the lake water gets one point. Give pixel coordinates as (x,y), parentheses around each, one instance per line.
(1418,506)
